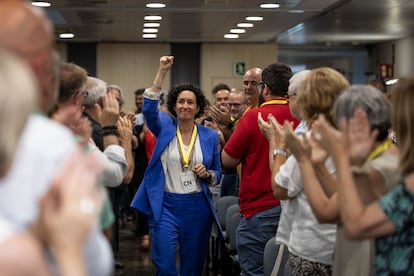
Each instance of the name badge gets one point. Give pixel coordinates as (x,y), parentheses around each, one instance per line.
(188,181)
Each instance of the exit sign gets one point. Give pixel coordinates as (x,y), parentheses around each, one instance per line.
(239,68)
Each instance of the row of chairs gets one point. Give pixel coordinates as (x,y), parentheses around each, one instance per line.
(275,259)
(225,258)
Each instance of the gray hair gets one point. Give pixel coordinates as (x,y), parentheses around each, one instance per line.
(96,89)
(15,107)
(296,81)
(372,101)
(117,88)
(241,92)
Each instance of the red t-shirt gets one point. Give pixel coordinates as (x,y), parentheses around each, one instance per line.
(248,144)
(149,141)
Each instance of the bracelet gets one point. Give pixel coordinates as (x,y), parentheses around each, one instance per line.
(279,151)
(110,132)
(155,85)
(110,128)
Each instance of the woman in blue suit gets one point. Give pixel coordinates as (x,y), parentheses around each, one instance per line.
(174,192)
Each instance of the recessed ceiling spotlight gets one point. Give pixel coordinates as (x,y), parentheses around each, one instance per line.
(270,6)
(254,18)
(152,17)
(66,35)
(238,31)
(231,36)
(42,4)
(151,25)
(150,30)
(245,25)
(149,36)
(155,5)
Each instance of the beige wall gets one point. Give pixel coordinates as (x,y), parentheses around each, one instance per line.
(217,62)
(131,66)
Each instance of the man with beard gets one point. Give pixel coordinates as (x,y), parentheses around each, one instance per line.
(259,209)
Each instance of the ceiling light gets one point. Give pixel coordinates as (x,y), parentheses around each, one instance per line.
(238,31)
(155,5)
(151,25)
(66,35)
(270,6)
(149,36)
(150,30)
(231,36)
(152,17)
(245,25)
(254,18)
(391,82)
(296,11)
(42,4)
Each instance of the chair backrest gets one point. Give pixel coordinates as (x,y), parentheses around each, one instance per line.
(223,204)
(275,258)
(233,209)
(231,232)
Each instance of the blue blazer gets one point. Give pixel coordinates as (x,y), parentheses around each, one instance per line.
(150,195)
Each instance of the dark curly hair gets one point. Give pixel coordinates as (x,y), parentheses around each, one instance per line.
(176,90)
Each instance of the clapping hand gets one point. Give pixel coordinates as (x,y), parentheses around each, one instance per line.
(272,130)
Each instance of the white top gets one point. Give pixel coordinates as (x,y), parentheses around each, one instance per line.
(139,119)
(6,230)
(43,146)
(171,162)
(288,206)
(305,237)
(113,161)
(302,128)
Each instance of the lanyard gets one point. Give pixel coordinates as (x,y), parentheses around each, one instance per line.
(185,160)
(274,102)
(380,149)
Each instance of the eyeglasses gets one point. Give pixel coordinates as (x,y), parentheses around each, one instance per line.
(236,105)
(252,83)
(260,86)
(85,93)
(291,96)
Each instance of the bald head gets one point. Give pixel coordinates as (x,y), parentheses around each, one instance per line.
(26,31)
(251,78)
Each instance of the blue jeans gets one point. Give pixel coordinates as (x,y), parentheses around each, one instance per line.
(251,237)
(185,220)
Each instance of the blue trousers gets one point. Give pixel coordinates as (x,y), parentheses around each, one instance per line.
(185,220)
(251,237)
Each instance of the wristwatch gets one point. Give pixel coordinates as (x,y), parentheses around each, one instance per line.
(279,151)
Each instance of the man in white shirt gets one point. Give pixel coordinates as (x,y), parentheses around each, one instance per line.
(25,31)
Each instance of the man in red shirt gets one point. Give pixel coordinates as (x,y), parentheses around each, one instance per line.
(259,209)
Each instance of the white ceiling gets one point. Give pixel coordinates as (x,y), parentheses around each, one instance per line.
(323,22)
